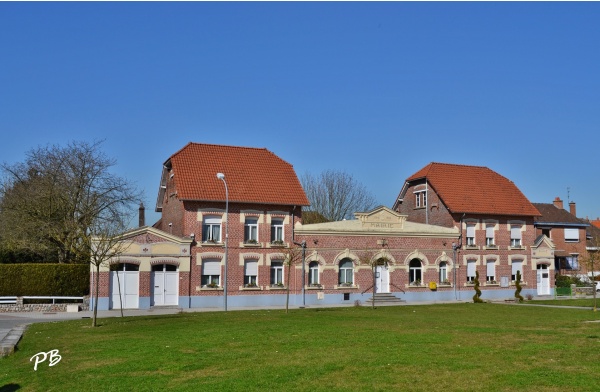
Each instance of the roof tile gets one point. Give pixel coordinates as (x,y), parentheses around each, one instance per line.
(475,189)
(253,175)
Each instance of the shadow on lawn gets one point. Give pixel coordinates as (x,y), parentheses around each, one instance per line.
(10,388)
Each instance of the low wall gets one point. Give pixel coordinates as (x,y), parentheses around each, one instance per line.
(19,306)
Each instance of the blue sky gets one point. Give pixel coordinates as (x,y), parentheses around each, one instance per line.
(375,89)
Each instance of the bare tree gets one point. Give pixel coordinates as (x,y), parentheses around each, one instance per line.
(335,195)
(52,201)
(105,244)
(592,260)
(292,256)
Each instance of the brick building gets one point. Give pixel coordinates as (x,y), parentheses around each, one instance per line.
(181,260)
(567,232)
(496,222)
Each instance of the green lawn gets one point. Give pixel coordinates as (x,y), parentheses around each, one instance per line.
(458,347)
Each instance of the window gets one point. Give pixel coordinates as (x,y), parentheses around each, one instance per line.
(470,234)
(313,273)
(414,271)
(571,235)
(572,262)
(443,272)
(211,229)
(251,231)
(491,272)
(211,273)
(516,266)
(515,236)
(277,230)
(250,273)
(421,199)
(489,235)
(471,268)
(277,273)
(124,267)
(346,272)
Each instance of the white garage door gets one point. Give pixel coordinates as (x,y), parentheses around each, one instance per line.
(124,286)
(165,285)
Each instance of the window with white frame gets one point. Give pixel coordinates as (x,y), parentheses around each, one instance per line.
(250,273)
(517,265)
(211,229)
(491,271)
(571,235)
(489,234)
(415,271)
(515,236)
(470,234)
(277,230)
(443,272)
(211,273)
(420,199)
(277,273)
(471,268)
(251,231)
(346,274)
(313,273)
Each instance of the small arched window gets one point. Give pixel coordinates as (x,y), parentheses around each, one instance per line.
(346,272)
(415,271)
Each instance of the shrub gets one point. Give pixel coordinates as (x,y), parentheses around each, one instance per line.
(67,280)
(477,297)
(518,295)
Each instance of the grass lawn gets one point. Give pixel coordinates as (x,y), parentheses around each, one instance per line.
(583,302)
(457,347)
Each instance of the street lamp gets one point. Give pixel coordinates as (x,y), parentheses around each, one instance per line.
(221,177)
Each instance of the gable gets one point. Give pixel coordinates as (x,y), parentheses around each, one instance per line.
(381,218)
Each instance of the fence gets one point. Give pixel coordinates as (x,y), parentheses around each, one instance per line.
(43,304)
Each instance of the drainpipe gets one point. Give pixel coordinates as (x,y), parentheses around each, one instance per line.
(426,202)
(190,274)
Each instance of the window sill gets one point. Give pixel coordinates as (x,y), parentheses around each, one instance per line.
(471,247)
(209,289)
(490,247)
(444,285)
(522,284)
(516,248)
(344,287)
(213,244)
(251,245)
(276,288)
(319,287)
(491,284)
(257,288)
(272,245)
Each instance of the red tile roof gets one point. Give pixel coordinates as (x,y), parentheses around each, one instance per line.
(475,190)
(253,175)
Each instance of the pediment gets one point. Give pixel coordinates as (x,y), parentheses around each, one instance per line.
(543,247)
(381,218)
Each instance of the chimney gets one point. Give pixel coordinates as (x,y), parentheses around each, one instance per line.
(142,214)
(558,203)
(572,208)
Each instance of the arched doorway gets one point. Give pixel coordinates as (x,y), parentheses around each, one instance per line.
(124,286)
(382,277)
(165,285)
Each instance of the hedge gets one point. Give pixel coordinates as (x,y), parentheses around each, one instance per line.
(70,280)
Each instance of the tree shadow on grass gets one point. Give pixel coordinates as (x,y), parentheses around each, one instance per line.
(10,388)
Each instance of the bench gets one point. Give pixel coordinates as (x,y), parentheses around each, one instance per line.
(8,300)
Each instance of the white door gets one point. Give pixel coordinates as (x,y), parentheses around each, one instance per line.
(124,286)
(165,285)
(382,279)
(543,280)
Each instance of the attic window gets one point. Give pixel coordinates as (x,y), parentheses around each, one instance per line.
(420,199)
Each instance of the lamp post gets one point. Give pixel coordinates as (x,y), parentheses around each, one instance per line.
(221,177)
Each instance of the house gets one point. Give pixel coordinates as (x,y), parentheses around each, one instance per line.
(225,209)
(496,224)
(379,252)
(567,232)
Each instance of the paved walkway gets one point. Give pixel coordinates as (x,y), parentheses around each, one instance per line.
(12,325)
